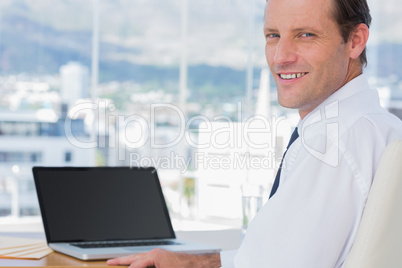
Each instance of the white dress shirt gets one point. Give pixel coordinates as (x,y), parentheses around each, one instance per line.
(312,219)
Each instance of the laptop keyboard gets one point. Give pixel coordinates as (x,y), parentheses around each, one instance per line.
(116,244)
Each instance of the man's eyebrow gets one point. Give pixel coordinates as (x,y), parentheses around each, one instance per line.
(267,29)
(298,29)
(305,29)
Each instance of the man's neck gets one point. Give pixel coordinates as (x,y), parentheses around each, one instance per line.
(355,69)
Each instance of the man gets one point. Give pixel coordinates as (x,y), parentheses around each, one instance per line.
(316,52)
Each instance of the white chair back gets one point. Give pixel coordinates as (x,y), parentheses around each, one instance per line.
(379,238)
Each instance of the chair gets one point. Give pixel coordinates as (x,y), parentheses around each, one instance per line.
(379,238)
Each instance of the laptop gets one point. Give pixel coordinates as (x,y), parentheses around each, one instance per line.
(93,213)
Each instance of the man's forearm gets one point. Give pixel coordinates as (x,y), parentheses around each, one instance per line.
(207,261)
(166,259)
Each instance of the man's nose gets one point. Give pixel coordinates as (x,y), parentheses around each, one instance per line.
(285,52)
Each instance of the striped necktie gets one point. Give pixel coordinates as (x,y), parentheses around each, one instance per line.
(295,135)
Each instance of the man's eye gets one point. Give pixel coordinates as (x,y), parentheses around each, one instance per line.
(272,36)
(307,35)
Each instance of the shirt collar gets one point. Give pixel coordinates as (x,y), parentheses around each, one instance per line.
(351,88)
(354,86)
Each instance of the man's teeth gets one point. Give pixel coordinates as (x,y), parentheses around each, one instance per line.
(291,76)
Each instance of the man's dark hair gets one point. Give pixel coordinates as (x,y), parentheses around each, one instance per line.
(348,14)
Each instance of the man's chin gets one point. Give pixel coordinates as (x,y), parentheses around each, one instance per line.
(288,104)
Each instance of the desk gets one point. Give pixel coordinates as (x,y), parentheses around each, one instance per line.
(225,239)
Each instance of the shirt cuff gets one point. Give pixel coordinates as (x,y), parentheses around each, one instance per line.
(227,258)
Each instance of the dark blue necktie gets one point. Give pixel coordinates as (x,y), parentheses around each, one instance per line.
(295,135)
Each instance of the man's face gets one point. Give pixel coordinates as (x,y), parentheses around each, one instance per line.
(305,52)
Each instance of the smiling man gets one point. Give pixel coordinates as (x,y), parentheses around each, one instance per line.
(316,52)
(307,54)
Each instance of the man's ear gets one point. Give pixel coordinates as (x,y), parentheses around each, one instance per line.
(358,40)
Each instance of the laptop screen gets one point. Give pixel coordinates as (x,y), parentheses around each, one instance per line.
(101,203)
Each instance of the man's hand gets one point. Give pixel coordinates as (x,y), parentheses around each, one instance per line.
(160,258)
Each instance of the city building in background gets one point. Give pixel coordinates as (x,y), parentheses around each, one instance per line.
(74,82)
(33,138)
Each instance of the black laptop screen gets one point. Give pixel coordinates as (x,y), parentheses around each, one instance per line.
(92,204)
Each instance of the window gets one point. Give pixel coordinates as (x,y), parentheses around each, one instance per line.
(163,71)
(20,157)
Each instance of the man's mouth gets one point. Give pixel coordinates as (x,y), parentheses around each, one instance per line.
(291,76)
